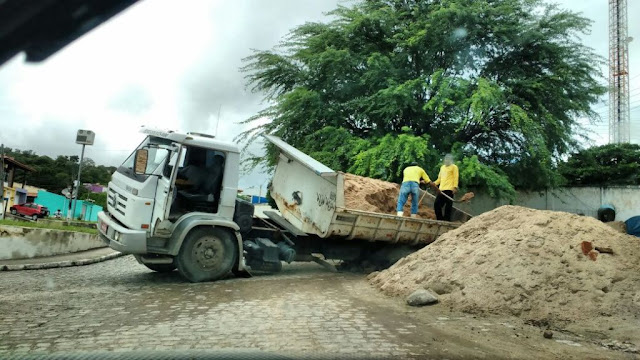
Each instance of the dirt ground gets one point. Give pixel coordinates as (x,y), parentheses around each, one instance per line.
(509,337)
(121,306)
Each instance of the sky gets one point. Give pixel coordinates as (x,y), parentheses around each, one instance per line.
(175,65)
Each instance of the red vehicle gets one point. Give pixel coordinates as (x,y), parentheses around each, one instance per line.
(31,210)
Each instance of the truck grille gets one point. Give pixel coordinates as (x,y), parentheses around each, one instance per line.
(117,201)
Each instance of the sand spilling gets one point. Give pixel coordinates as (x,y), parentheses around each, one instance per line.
(366,194)
(466,197)
(526,262)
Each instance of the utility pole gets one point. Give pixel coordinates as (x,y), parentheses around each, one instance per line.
(619,113)
(77,184)
(84,137)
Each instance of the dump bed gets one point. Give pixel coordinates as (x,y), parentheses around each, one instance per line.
(310,196)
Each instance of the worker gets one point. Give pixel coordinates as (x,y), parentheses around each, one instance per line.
(447,182)
(412,176)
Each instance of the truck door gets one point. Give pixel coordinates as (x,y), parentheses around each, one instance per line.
(163,197)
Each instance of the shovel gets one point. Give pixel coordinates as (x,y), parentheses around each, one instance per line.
(465,197)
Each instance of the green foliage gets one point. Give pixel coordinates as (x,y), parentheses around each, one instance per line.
(387,157)
(98,198)
(474,174)
(504,80)
(613,164)
(270,200)
(55,175)
(334,147)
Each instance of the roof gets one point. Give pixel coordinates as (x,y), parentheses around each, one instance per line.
(193,139)
(17,164)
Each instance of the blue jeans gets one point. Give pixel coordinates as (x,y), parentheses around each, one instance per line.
(409,187)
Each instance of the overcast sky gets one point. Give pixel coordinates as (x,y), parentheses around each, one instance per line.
(174,64)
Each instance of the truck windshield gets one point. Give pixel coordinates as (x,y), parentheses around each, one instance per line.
(159,149)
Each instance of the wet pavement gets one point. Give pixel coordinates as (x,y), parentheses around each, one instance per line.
(119,305)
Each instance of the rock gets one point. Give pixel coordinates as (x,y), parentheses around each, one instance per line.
(547,334)
(586,247)
(422,297)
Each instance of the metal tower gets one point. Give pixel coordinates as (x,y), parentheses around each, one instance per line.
(619,123)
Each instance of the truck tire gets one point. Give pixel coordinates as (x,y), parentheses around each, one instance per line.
(207,254)
(161,268)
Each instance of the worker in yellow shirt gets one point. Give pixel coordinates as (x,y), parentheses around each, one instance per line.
(448,183)
(412,175)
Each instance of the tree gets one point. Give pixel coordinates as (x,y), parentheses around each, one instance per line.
(501,80)
(613,164)
(55,175)
(98,198)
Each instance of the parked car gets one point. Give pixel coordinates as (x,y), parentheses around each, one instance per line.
(30,210)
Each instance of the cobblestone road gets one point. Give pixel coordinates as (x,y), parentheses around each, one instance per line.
(120,305)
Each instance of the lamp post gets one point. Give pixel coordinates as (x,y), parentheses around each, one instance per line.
(84,137)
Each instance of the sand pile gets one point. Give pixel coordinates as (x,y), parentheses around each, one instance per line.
(619,226)
(528,263)
(366,194)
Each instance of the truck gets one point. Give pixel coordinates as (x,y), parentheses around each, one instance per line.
(173,204)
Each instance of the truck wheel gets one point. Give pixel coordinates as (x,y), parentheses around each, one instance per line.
(207,254)
(161,268)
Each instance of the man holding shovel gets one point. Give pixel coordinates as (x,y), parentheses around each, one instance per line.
(412,176)
(448,184)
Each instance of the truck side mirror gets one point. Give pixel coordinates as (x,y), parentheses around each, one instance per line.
(142,157)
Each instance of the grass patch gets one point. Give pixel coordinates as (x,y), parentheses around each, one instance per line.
(39,225)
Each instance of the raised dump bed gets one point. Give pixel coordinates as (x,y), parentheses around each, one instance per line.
(311,197)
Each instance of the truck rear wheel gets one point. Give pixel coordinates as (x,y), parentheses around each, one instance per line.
(161,268)
(207,254)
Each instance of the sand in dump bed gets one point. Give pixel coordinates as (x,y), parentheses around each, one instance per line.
(528,263)
(367,194)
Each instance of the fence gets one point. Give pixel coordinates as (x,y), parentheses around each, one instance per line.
(584,200)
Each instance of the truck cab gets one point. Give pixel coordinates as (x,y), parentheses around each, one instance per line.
(173,204)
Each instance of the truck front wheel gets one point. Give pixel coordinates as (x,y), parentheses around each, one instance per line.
(207,254)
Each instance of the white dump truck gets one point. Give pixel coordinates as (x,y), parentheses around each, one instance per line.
(173,204)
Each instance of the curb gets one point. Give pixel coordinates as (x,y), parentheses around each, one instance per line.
(60,264)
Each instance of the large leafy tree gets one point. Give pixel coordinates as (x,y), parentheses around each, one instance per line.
(613,164)
(501,82)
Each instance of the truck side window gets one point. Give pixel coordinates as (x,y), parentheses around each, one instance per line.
(172,163)
(200,174)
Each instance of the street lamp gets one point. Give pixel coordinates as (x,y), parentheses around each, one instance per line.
(83,137)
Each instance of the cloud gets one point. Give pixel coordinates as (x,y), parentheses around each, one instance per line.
(174,65)
(133,99)
(160,63)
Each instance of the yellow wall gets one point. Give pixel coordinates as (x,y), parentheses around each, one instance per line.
(11,194)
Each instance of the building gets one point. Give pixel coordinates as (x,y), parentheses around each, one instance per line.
(15,189)
(95,188)
(85,210)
